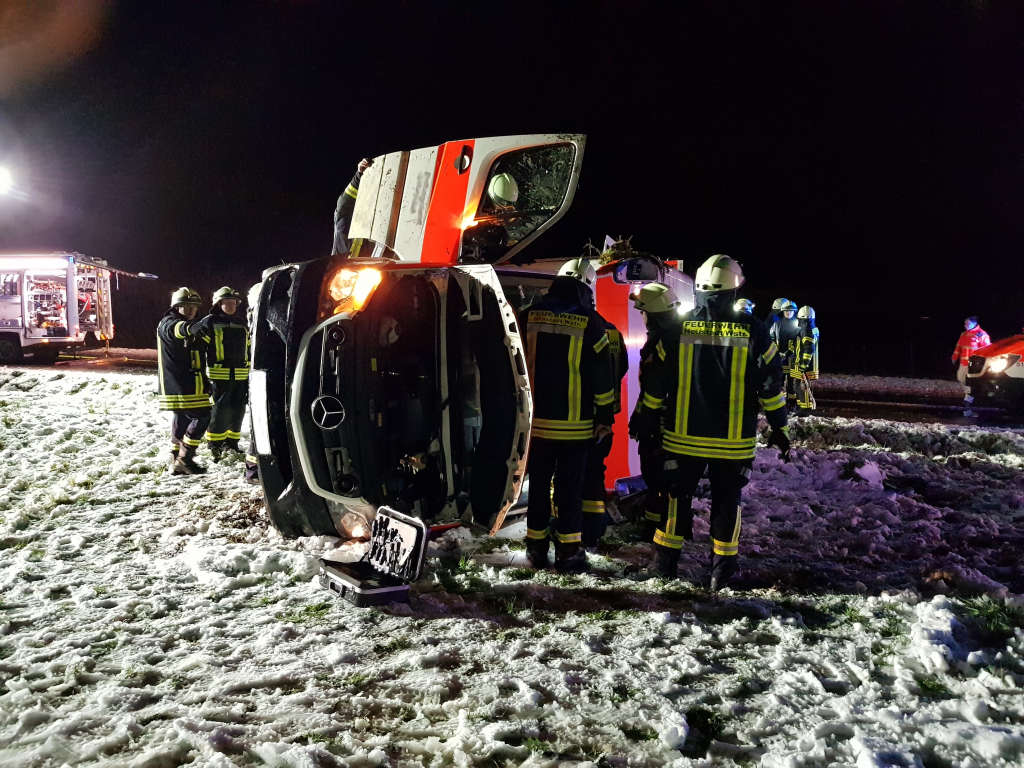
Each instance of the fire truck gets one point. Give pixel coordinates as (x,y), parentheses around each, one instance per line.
(393,376)
(52,301)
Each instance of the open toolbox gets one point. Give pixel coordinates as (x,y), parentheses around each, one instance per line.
(398,546)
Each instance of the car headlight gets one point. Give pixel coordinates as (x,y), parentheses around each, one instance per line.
(348,290)
(1001,363)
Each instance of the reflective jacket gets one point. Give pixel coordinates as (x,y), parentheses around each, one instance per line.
(806,356)
(181,354)
(569,365)
(343,216)
(785,333)
(713,374)
(618,360)
(227,346)
(976,338)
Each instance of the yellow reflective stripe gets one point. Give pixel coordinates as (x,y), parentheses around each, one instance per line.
(607,398)
(564,423)
(769,353)
(601,343)
(234,435)
(575,383)
(593,507)
(667,540)
(185,398)
(724,548)
(250,459)
(737,391)
(712,442)
(660,349)
(536,535)
(351,191)
(549,434)
(705,452)
(652,517)
(654,403)
(683,392)
(671,517)
(191,442)
(773,403)
(569,538)
(178,332)
(218,342)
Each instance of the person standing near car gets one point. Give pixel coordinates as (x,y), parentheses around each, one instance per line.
(181,354)
(973,338)
(712,375)
(595,514)
(660,308)
(785,333)
(571,377)
(226,335)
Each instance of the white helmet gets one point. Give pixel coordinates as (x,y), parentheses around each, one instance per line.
(806,313)
(718,273)
(581,269)
(654,298)
(743,307)
(503,190)
(778,304)
(788,306)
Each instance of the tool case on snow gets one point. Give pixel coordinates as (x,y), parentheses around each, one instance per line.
(398,545)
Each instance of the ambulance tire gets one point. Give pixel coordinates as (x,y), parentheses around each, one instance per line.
(46,355)
(10,349)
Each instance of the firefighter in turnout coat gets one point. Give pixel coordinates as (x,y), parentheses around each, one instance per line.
(226,335)
(659,305)
(713,374)
(785,332)
(183,388)
(570,373)
(805,360)
(595,516)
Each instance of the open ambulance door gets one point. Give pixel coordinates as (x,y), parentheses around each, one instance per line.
(478,201)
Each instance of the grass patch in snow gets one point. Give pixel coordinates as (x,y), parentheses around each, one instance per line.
(995,619)
(307,614)
(705,727)
(932,687)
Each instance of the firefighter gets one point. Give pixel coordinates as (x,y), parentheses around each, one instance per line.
(805,362)
(743,306)
(660,308)
(570,372)
(345,207)
(776,313)
(595,515)
(226,335)
(784,332)
(183,387)
(710,376)
(974,337)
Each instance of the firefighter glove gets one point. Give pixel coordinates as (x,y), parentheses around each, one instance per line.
(780,439)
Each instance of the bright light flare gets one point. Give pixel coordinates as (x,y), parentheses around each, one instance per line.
(51,265)
(998,364)
(6,180)
(352,288)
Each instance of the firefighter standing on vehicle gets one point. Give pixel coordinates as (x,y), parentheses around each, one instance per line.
(974,337)
(183,387)
(227,366)
(660,308)
(805,359)
(595,515)
(344,208)
(571,378)
(704,392)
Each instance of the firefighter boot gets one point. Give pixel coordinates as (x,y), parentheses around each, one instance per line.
(666,561)
(186,465)
(570,558)
(173,461)
(216,451)
(537,553)
(231,447)
(722,570)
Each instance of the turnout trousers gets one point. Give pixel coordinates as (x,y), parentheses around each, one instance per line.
(728,477)
(187,428)
(595,518)
(563,462)
(229,399)
(652,461)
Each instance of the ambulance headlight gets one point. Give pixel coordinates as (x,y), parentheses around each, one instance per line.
(1001,363)
(348,290)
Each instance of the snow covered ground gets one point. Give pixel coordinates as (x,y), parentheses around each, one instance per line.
(149,620)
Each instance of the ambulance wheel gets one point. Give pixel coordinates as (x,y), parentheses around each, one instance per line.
(10,350)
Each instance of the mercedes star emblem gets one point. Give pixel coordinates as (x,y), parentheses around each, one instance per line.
(328,412)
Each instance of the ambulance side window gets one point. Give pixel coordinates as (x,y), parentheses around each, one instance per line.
(10,283)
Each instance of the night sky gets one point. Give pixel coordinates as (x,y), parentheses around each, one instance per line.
(863,157)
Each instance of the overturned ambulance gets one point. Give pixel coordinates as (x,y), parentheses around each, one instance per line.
(52,301)
(394,375)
